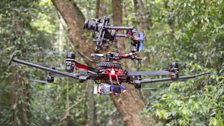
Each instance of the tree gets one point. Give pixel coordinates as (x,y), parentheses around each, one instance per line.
(142,19)
(129,105)
(91,103)
(117,20)
(100,8)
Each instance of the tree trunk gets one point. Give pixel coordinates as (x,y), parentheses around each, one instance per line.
(100,8)
(14,99)
(19,101)
(75,22)
(20,89)
(91,103)
(142,19)
(117,12)
(117,20)
(130,104)
(91,108)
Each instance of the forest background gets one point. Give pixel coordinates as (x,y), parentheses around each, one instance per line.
(188,31)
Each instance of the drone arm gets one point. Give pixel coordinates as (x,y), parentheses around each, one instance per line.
(168,79)
(75,76)
(192,76)
(118,27)
(85,67)
(148,73)
(151,80)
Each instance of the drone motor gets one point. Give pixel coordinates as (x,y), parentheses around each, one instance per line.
(70,62)
(174,68)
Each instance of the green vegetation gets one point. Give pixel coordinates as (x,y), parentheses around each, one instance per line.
(187,31)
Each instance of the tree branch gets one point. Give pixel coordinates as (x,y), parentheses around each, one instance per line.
(75,21)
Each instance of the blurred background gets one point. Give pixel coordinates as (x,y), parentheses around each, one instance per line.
(187,31)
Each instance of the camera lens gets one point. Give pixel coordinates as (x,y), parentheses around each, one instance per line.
(91,25)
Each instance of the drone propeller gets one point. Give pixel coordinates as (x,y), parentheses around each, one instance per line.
(42,81)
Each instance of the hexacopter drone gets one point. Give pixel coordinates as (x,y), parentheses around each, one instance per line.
(109,75)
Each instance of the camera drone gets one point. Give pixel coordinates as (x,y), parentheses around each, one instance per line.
(110,75)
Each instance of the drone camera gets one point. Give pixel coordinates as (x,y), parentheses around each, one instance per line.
(96,24)
(91,25)
(103,32)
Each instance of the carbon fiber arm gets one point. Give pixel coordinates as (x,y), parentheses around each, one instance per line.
(75,76)
(168,79)
(146,73)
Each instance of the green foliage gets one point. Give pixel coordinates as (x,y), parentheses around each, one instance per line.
(17,33)
(189,31)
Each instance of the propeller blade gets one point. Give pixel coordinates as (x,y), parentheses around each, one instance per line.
(169,79)
(145,73)
(97,54)
(41,81)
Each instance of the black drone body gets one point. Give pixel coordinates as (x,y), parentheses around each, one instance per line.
(109,75)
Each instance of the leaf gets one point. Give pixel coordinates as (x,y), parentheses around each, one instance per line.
(213,121)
